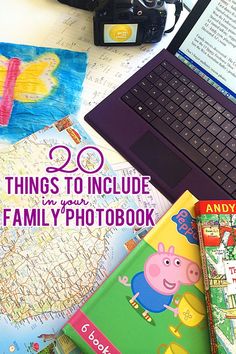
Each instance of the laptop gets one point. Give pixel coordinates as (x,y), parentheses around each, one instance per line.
(175,119)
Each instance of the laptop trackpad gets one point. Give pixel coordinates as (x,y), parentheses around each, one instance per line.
(160,159)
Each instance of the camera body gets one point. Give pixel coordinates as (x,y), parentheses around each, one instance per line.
(129,22)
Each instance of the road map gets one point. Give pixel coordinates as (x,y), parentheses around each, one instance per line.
(47,272)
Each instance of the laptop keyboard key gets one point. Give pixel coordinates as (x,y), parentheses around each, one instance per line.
(189,122)
(233,133)
(232,175)
(166,76)
(210,100)
(159,111)
(178,98)
(160,84)
(209,111)
(175,83)
(233,162)
(179,142)
(154,92)
(180,114)
(140,108)
(171,107)
(145,84)
(227,126)
(152,77)
(169,91)
(223,137)
(151,103)
(217,146)
(192,97)
(232,144)
(138,92)
(214,129)
(218,118)
(195,113)
(225,167)
(168,118)
(208,138)
(159,70)
(163,100)
(183,90)
(167,65)
(196,141)
(219,108)
(229,186)
(176,72)
(177,126)
(205,121)
(130,99)
(192,86)
(184,79)
(228,115)
(219,177)
(201,93)
(205,150)
(186,134)
(200,104)
(186,106)
(209,168)
(199,130)
(148,116)
(227,154)
(215,158)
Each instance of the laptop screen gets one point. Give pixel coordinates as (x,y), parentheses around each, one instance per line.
(210,47)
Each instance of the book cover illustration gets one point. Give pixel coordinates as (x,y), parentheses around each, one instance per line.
(46,272)
(217,230)
(154,301)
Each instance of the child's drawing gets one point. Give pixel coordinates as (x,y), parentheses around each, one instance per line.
(37,87)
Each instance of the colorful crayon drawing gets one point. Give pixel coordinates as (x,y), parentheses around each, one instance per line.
(37,87)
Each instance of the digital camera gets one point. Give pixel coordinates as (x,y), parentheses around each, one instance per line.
(128,22)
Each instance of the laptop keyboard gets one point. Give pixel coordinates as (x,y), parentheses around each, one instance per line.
(194,122)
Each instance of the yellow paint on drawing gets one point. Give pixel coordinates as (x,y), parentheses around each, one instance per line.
(35,81)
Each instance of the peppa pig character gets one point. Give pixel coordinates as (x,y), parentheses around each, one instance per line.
(163,274)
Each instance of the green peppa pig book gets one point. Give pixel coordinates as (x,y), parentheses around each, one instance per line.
(154,301)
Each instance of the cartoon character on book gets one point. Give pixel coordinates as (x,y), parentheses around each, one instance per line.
(163,274)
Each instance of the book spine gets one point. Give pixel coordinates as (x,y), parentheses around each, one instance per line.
(207,288)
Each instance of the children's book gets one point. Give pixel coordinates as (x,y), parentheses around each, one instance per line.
(217,234)
(154,301)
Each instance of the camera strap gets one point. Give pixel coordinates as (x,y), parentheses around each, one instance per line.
(178,9)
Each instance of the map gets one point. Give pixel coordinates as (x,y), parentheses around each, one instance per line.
(47,272)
